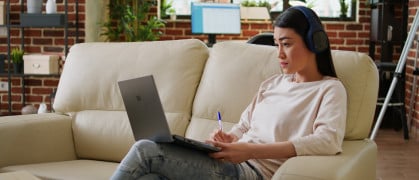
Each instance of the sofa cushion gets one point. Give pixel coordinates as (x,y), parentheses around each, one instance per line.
(229,88)
(88,87)
(92,70)
(357,161)
(35,138)
(102,135)
(18,175)
(359,75)
(107,135)
(77,169)
(231,78)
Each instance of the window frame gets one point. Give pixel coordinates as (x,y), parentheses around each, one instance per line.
(353,16)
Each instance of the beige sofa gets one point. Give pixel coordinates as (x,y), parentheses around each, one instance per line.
(92,133)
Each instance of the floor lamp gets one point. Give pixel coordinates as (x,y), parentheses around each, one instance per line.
(398,71)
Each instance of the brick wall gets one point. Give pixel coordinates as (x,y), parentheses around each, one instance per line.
(413,7)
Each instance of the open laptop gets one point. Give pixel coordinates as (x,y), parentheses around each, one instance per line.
(146,115)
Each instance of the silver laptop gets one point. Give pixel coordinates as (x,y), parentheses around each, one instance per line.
(146,115)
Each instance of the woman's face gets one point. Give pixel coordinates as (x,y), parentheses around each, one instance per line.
(294,56)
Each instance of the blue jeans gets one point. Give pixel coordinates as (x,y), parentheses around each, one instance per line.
(149,160)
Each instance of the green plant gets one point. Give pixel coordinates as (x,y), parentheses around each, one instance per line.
(171,11)
(253,3)
(164,7)
(16,55)
(343,8)
(129,21)
(309,4)
(249,3)
(264,4)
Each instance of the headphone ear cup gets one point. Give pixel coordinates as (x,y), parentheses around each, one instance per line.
(316,38)
(320,41)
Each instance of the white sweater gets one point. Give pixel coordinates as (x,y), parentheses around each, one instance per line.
(311,115)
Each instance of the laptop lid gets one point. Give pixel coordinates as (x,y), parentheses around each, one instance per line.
(144,109)
(146,114)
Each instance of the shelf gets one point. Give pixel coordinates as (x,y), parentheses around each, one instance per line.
(39,20)
(11,25)
(35,20)
(27,75)
(42,20)
(392,41)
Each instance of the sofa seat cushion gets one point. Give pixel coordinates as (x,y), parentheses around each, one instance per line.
(357,161)
(76,169)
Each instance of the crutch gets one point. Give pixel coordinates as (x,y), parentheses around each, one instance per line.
(397,73)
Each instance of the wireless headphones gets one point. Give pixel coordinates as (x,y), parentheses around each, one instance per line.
(316,38)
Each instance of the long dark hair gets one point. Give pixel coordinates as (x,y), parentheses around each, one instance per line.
(295,19)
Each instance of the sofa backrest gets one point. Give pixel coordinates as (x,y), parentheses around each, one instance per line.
(88,89)
(234,71)
(231,78)
(194,82)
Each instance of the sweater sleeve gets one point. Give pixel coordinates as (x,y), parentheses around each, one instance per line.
(328,126)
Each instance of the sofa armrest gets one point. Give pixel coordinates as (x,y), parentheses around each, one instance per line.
(357,161)
(35,138)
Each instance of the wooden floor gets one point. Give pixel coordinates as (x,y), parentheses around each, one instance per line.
(397,159)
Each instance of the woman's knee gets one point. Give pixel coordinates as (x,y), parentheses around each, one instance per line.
(145,143)
(147,147)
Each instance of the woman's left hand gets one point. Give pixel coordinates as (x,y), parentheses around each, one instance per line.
(232,152)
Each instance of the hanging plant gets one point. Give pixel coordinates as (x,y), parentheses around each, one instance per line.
(129,21)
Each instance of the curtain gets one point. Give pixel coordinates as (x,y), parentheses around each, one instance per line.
(96,14)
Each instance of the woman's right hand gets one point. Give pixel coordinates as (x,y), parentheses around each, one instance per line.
(220,136)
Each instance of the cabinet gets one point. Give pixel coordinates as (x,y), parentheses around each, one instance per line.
(33,20)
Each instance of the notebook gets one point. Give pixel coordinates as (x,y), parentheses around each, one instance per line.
(146,114)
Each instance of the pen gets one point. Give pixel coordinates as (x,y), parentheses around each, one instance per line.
(219,120)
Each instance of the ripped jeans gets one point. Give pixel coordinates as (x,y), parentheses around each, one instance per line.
(149,160)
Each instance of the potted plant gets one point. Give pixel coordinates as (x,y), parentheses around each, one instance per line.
(16,55)
(2,58)
(250,9)
(343,8)
(164,8)
(129,21)
(172,13)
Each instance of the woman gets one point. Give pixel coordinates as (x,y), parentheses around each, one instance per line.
(300,112)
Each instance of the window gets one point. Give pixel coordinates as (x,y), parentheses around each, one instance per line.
(326,9)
